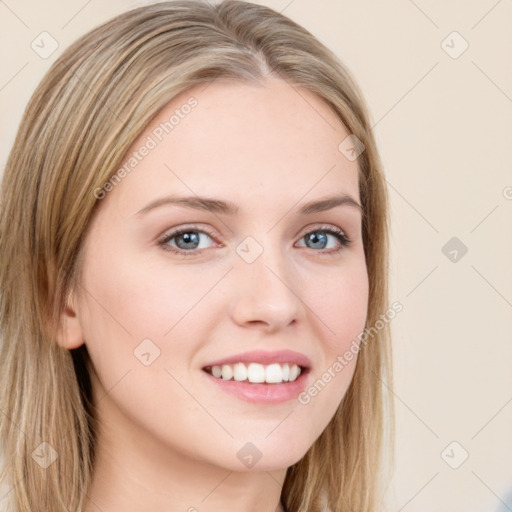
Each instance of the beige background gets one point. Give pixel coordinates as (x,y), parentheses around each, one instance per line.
(444,127)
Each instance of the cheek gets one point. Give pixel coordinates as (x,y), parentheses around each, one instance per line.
(341,303)
(132,301)
(338,308)
(144,300)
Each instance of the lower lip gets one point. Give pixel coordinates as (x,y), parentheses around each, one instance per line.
(262,393)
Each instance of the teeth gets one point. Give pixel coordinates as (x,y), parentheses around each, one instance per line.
(227,372)
(256,373)
(239,372)
(286,372)
(274,373)
(294,372)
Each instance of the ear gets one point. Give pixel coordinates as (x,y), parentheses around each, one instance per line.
(69,334)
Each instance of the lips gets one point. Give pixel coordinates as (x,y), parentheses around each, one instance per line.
(278,386)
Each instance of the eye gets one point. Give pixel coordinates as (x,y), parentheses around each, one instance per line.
(185,241)
(189,241)
(319,239)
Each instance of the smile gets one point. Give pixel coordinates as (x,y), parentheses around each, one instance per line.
(275,373)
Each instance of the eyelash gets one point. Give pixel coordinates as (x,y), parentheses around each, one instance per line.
(342,238)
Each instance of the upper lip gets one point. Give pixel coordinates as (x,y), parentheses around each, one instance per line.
(265,357)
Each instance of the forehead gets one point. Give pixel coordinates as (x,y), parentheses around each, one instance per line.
(273,141)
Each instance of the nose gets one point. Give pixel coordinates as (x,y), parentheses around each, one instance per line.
(266,292)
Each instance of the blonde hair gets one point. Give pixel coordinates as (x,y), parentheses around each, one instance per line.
(89,108)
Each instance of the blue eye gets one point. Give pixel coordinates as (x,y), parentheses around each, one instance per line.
(187,241)
(319,239)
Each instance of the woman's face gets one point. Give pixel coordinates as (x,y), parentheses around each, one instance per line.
(253,273)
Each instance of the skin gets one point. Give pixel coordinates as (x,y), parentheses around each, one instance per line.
(168,437)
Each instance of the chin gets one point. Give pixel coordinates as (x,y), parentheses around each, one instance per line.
(251,457)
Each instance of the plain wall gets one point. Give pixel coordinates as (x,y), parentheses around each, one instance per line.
(443,122)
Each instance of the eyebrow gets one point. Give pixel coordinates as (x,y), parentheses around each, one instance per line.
(230,208)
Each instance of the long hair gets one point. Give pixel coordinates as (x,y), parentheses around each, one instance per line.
(93,102)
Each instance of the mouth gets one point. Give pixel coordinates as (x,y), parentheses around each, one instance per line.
(256,373)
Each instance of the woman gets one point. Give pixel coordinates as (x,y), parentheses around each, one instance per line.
(190,297)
